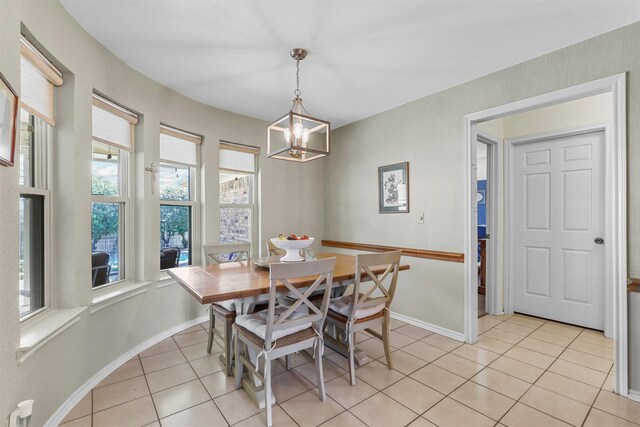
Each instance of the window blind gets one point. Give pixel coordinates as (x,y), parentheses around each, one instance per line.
(37,78)
(177,146)
(236,157)
(112,124)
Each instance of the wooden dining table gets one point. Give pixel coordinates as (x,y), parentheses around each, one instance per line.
(248,284)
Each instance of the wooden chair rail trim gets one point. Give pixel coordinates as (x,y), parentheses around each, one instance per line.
(634,285)
(416,253)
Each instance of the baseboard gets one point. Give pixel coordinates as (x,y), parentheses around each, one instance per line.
(634,395)
(77,395)
(458,336)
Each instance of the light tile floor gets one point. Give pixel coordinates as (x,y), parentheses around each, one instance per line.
(523,371)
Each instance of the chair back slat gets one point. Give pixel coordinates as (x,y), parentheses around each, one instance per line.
(364,298)
(273,250)
(282,274)
(237,252)
(301,299)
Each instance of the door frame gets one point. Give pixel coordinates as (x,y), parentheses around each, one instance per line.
(492,305)
(509,198)
(615,173)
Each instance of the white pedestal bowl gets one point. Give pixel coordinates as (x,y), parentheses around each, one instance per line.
(293,248)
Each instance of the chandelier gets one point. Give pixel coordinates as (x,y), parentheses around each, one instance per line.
(297,136)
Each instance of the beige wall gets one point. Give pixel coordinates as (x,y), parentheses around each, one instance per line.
(428,133)
(591,110)
(57,369)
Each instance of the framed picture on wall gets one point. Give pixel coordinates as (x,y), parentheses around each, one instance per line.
(8,120)
(393,188)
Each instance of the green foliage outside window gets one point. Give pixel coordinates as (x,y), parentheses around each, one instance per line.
(101,186)
(104,216)
(174,220)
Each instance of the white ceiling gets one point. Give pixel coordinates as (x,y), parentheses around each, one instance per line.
(365,56)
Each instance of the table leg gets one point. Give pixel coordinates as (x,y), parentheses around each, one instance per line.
(336,344)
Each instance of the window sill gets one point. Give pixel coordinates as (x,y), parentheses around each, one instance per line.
(114,296)
(40,332)
(165,280)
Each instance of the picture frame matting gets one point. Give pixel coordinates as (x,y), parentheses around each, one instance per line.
(393,188)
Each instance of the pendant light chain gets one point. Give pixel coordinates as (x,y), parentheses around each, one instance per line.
(297,91)
(297,102)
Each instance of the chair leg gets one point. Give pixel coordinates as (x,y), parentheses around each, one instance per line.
(333,331)
(288,361)
(267,389)
(319,371)
(238,368)
(386,338)
(351,337)
(212,325)
(228,351)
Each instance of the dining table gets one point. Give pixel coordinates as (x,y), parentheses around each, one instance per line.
(247,283)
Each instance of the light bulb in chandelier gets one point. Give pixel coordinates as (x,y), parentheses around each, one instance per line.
(300,136)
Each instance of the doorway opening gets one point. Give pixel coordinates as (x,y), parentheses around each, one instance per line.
(487,179)
(559,238)
(483,232)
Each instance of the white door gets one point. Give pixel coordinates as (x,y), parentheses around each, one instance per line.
(558,221)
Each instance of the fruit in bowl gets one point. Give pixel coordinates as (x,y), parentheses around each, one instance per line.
(293,245)
(293,237)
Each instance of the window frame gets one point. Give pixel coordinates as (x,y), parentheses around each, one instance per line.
(42,169)
(253,199)
(126,211)
(194,192)
(193,203)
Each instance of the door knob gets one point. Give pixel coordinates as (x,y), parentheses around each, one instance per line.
(598,240)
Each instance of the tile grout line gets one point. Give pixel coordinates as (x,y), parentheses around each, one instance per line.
(557,357)
(158,391)
(485,367)
(408,375)
(607,412)
(91,407)
(518,400)
(503,354)
(153,402)
(540,376)
(200,380)
(591,408)
(404,376)
(465,382)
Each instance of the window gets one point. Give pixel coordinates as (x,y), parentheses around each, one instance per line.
(37,79)
(112,145)
(237,194)
(178,160)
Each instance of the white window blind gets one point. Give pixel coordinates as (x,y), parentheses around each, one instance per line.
(178,147)
(37,78)
(112,124)
(237,157)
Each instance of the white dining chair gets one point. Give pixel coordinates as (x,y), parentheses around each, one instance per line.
(369,304)
(273,250)
(224,311)
(282,330)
